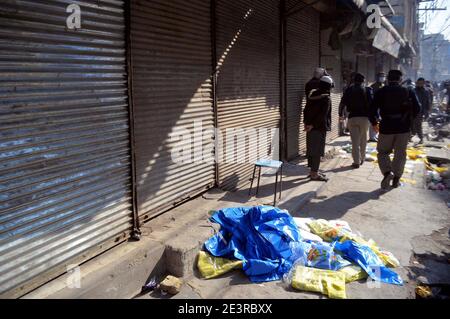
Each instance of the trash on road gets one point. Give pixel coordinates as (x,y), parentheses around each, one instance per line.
(150,286)
(317,255)
(268,244)
(212,267)
(353,273)
(329,283)
(171,285)
(423,292)
(260,236)
(364,256)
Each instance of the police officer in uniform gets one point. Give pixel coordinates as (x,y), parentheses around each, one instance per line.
(391,114)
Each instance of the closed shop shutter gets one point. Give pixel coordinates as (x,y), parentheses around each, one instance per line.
(331,61)
(64,139)
(172,92)
(248,90)
(302,58)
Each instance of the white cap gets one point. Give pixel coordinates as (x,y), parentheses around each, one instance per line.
(320,71)
(327,79)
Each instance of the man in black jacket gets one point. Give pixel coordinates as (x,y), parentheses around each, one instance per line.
(317,119)
(396,106)
(357,99)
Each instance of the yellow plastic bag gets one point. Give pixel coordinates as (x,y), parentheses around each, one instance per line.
(353,273)
(415,153)
(328,282)
(324,230)
(212,267)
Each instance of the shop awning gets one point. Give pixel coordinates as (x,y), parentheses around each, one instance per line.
(388,39)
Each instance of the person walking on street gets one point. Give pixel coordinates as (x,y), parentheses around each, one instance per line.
(357,100)
(379,84)
(317,119)
(397,106)
(423,95)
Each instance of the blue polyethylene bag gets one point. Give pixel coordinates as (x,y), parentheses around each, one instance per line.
(369,261)
(260,236)
(317,255)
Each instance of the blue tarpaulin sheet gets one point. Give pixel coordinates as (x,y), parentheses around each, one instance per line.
(260,236)
(369,261)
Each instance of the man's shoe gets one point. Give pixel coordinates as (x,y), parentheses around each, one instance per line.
(373,141)
(396,182)
(355,166)
(388,177)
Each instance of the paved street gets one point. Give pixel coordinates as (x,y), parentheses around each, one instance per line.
(411,222)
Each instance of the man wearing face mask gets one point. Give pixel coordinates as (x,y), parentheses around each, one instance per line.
(317,119)
(379,84)
(423,95)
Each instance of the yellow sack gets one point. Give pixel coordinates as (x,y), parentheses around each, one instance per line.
(324,230)
(353,273)
(328,282)
(211,267)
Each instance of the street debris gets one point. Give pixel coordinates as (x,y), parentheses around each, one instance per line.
(327,282)
(309,254)
(150,286)
(171,285)
(212,267)
(423,292)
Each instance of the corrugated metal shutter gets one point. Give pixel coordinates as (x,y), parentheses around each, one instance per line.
(331,60)
(248,90)
(302,58)
(64,139)
(172,68)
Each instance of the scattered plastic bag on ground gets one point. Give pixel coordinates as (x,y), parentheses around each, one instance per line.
(317,255)
(353,273)
(415,153)
(366,258)
(328,282)
(212,267)
(259,236)
(330,233)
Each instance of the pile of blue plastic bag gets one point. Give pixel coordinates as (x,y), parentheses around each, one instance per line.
(269,243)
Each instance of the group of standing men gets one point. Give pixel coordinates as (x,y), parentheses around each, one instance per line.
(391,112)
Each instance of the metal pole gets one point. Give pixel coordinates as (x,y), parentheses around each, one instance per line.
(213,4)
(283,87)
(136,232)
